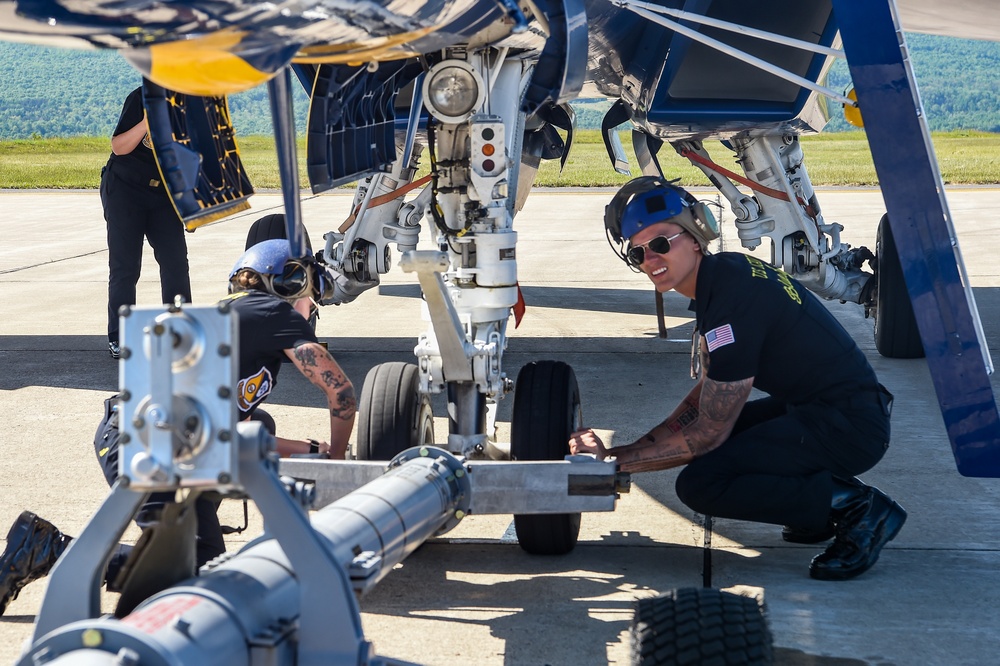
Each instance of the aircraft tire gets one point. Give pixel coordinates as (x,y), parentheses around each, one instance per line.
(700,626)
(896,333)
(270,227)
(392,415)
(546,411)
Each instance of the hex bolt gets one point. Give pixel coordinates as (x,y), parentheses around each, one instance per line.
(224,477)
(224,435)
(224,307)
(225,350)
(139,422)
(126,353)
(125,396)
(224,392)
(126,438)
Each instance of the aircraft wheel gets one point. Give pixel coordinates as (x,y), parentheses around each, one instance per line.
(270,227)
(700,626)
(896,334)
(546,412)
(392,415)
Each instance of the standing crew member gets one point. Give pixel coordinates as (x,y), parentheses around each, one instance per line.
(136,206)
(271,294)
(790,458)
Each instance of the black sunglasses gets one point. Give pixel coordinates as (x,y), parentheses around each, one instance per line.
(660,245)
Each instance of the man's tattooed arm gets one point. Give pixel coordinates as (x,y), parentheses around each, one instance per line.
(319,367)
(694,429)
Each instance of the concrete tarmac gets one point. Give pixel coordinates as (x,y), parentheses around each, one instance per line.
(473,596)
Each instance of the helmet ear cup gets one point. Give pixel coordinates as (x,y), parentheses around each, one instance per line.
(706,219)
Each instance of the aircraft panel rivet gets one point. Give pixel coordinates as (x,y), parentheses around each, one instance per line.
(224,435)
(91,638)
(224,392)
(225,350)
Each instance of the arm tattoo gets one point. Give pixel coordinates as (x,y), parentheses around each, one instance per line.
(332,379)
(719,407)
(346,404)
(307,357)
(685,418)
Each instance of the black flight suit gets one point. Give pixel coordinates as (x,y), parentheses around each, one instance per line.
(136,205)
(826,414)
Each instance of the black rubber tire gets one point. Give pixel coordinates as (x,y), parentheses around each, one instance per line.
(546,411)
(700,626)
(896,333)
(270,227)
(392,415)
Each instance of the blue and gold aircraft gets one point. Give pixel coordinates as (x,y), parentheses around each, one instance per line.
(483,86)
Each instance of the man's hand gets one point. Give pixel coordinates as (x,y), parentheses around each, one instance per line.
(586,441)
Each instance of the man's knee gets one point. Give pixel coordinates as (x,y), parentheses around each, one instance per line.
(694,490)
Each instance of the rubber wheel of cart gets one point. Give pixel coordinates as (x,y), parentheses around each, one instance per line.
(546,412)
(392,415)
(896,333)
(270,227)
(700,626)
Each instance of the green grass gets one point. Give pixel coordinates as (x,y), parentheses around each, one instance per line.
(964,157)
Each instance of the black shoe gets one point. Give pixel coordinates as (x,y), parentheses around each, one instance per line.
(867,519)
(114,350)
(33,546)
(799,535)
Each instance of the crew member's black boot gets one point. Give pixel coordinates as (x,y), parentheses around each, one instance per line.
(33,546)
(866,519)
(801,535)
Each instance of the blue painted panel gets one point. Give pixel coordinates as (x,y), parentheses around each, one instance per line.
(719,103)
(904,161)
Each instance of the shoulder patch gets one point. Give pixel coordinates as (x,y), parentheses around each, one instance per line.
(253,389)
(719,337)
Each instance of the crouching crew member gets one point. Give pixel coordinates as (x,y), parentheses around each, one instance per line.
(271,293)
(790,458)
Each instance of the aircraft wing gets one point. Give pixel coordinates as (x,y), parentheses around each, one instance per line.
(968,19)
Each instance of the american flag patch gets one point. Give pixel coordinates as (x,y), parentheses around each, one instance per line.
(719,337)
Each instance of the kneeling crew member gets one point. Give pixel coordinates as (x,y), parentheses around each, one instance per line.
(787,459)
(271,293)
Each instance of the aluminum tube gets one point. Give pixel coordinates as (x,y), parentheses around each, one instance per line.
(243,611)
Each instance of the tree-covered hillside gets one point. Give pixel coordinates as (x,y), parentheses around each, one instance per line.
(49,92)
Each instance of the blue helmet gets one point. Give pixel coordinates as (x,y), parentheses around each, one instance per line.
(284,276)
(646,208)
